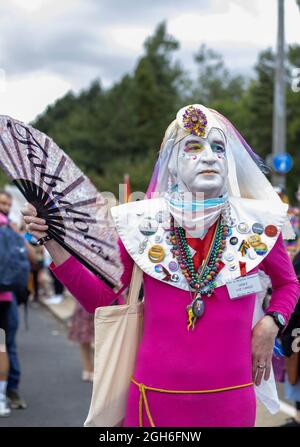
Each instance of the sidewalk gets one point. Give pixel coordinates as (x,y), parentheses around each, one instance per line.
(64,310)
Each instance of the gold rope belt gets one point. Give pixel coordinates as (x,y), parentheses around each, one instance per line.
(143,398)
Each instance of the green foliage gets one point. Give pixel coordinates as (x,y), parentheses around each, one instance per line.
(117,130)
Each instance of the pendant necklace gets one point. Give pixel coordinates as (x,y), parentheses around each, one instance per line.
(201,283)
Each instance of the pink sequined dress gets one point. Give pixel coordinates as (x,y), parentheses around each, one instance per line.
(216,355)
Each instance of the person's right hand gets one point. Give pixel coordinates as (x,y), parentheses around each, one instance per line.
(34,225)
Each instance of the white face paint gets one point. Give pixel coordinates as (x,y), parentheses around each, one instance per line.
(202,164)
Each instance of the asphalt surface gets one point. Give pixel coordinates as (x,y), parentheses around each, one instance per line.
(51,376)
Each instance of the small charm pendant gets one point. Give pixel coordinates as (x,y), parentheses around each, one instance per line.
(195,310)
(198,306)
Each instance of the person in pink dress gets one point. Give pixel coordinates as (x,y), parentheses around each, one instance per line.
(81,331)
(210,222)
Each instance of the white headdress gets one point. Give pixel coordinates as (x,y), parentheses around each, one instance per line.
(246,176)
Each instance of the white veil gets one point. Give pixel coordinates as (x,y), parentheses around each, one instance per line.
(246,179)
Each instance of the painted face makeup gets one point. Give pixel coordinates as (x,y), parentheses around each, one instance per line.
(193,147)
(202,164)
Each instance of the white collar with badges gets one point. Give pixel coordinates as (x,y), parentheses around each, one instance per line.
(150,249)
(144,228)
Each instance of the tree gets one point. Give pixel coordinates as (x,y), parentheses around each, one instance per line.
(157,79)
(215,86)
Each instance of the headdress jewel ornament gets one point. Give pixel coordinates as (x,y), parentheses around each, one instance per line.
(194,121)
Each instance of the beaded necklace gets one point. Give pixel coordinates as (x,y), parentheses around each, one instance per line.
(203,282)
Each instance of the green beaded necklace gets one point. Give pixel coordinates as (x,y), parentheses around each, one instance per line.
(203,282)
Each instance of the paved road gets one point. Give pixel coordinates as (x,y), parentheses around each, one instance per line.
(51,382)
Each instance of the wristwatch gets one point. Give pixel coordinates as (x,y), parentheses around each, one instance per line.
(279,320)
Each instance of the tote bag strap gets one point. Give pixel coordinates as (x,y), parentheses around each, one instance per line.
(135,285)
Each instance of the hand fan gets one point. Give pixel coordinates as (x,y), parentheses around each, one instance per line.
(77,215)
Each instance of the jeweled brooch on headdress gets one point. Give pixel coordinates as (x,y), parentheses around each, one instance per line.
(194,121)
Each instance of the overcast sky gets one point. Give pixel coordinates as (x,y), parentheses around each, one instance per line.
(48,47)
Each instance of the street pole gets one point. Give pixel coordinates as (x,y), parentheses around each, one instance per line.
(279,103)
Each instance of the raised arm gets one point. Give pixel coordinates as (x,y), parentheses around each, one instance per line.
(86,287)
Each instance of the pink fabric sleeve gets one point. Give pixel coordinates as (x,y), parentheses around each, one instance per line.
(285,285)
(87,288)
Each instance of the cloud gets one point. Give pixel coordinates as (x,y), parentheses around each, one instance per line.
(80,40)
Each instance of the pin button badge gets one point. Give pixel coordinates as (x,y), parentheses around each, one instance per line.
(148,226)
(252,254)
(257,228)
(198,307)
(175,277)
(168,239)
(271,230)
(158,268)
(254,240)
(229,256)
(261,249)
(232,267)
(233,240)
(243,228)
(156,253)
(173,266)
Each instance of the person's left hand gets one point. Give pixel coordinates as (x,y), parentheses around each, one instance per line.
(263,337)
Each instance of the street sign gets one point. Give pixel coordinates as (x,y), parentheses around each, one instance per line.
(282,163)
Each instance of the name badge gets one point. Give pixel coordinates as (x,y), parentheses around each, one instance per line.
(245,285)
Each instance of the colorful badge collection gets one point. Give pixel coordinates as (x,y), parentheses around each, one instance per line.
(202,283)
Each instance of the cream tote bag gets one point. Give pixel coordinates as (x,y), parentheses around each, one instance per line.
(118,331)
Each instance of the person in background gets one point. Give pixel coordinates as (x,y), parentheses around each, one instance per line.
(58,287)
(82,331)
(10,322)
(5,303)
(289,339)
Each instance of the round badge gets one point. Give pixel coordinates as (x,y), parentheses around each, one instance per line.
(173,266)
(254,240)
(232,267)
(158,268)
(233,240)
(243,228)
(148,226)
(158,238)
(261,249)
(198,307)
(161,216)
(229,256)
(156,253)
(229,231)
(175,277)
(168,239)
(271,230)
(257,228)
(251,254)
